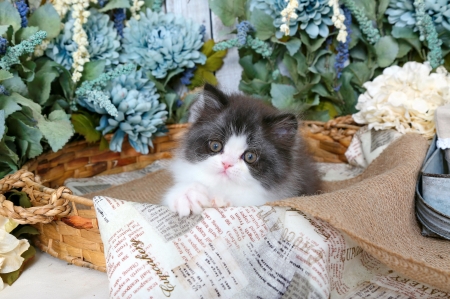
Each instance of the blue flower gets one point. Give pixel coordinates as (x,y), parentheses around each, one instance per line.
(187,75)
(402,13)
(162,43)
(140,114)
(342,48)
(314,16)
(3,45)
(119,17)
(3,91)
(23,10)
(242,30)
(103,41)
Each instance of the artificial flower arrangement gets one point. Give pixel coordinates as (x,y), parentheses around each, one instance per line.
(94,68)
(324,58)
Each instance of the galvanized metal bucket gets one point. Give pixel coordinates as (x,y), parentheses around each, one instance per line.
(433,194)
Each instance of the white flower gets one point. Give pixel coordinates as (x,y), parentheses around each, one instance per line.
(288,14)
(338,20)
(135,8)
(11,249)
(404,98)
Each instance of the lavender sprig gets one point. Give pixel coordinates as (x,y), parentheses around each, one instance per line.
(3,45)
(342,48)
(23,10)
(242,30)
(119,18)
(187,75)
(3,91)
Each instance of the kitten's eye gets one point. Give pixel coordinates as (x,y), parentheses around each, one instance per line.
(250,157)
(215,146)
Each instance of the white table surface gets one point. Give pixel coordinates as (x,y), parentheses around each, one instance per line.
(49,277)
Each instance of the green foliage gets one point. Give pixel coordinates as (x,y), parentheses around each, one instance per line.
(47,19)
(228,10)
(84,124)
(10,278)
(205,73)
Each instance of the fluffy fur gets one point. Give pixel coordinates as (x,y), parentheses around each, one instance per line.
(242,125)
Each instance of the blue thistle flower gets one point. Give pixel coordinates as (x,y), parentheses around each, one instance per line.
(119,17)
(342,48)
(187,75)
(140,114)
(162,43)
(102,3)
(242,29)
(3,90)
(202,31)
(3,45)
(23,10)
(103,41)
(314,16)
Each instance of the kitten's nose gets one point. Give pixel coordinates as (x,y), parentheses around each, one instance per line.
(226,165)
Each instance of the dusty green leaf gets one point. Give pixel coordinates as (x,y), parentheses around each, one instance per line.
(93,69)
(8,105)
(386,49)
(282,95)
(20,198)
(40,87)
(9,15)
(25,229)
(15,84)
(46,18)
(263,24)
(4,74)
(25,33)
(293,45)
(112,4)
(57,129)
(84,124)
(28,138)
(228,10)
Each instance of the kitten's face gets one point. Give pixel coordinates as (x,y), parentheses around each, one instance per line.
(240,139)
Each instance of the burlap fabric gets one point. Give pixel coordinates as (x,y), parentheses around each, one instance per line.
(376,209)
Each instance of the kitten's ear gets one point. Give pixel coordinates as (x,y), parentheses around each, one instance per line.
(283,127)
(211,99)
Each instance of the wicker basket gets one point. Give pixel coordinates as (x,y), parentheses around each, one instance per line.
(68,224)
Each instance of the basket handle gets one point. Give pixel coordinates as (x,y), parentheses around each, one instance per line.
(45,206)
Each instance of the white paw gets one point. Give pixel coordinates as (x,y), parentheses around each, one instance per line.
(184,199)
(218,202)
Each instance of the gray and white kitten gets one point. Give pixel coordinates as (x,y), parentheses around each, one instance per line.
(238,152)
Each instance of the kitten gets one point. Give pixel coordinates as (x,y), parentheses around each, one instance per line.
(238,152)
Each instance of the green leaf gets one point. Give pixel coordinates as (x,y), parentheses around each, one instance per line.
(2,124)
(28,138)
(57,130)
(228,10)
(382,6)
(21,198)
(361,72)
(169,100)
(369,8)
(46,18)
(247,65)
(9,15)
(30,252)
(282,95)
(263,24)
(403,48)
(3,29)
(386,49)
(84,124)
(15,84)
(115,4)
(25,33)
(311,44)
(104,144)
(25,229)
(25,102)
(359,52)
(66,82)
(171,74)
(403,32)
(8,105)
(302,66)
(93,69)
(39,88)
(348,93)
(9,160)
(291,65)
(293,45)
(10,278)
(4,75)
(26,70)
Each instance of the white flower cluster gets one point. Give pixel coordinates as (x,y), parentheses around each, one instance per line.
(338,20)
(39,50)
(11,248)
(404,98)
(61,6)
(135,8)
(81,55)
(288,14)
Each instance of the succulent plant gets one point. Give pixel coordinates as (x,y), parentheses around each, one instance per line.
(162,43)
(140,114)
(314,16)
(103,41)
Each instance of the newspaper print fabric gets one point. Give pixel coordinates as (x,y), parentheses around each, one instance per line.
(239,252)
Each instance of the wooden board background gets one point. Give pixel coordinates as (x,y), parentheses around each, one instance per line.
(198,10)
